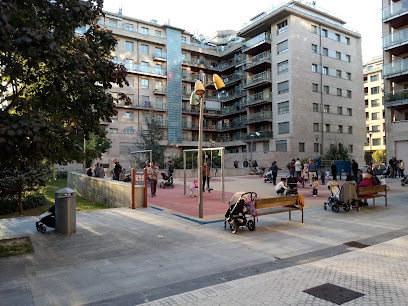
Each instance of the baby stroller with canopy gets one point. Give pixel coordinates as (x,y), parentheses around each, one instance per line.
(167,181)
(345,198)
(241,204)
(46,219)
(292,186)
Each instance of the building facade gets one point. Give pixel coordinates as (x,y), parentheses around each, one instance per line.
(293,86)
(374,107)
(395,74)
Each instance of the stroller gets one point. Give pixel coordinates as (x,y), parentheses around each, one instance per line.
(241,205)
(167,181)
(404,181)
(292,186)
(46,219)
(268,177)
(338,200)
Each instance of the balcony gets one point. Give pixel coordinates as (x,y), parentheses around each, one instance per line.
(226,65)
(398,42)
(232,78)
(231,109)
(260,62)
(159,56)
(160,90)
(233,125)
(396,13)
(232,94)
(186,95)
(200,63)
(190,125)
(396,70)
(262,79)
(263,135)
(187,108)
(189,77)
(396,98)
(259,98)
(145,105)
(229,138)
(258,44)
(151,71)
(260,116)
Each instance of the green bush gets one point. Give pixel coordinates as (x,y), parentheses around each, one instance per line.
(9,205)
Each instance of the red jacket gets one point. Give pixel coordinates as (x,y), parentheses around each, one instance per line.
(366,182)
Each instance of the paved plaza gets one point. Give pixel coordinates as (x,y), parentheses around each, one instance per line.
(153,256)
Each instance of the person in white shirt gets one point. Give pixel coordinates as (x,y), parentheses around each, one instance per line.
(281,187)
(298,168)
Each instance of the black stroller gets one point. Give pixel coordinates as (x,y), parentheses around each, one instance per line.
(167,181)
(241,205)
(404,181)
(292,186)
(46,219)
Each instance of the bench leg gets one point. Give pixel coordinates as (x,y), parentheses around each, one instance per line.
(373,201)
(386,204)
(302,215)
(254,222)
(290,217)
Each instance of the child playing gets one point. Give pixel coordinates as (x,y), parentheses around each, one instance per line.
(327,173)
(193,185)
(323,176)
(305,175)
(315,186)
(281,187)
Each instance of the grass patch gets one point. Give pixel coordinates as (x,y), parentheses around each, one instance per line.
(15,247)
(52,186)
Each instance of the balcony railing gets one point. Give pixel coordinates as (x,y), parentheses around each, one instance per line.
(396,38)
(260,116)
(255,60)
(190,108)
(232,63)
(144,105)
(189,77)
(160,90)
(262,135)
(263,37)
(228,79)
(125,27)
(399,97)
(233,94)
(158,55)
(200,63)
(264,76)
(395,68)
(396,8)
(144,69)
(258,97)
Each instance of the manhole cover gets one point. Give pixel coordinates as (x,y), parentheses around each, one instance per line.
(335,294)
(356,244)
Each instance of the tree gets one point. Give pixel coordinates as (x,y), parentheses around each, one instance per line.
(150,140)
(95,147)
(53,82)
(379,156)
(339,152)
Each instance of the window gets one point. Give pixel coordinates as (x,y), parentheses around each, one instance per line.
(314,48)
(158,51)
(338,73)
(327,128)
(348,76)
(326,89)
(367,115)
(129,46)
(301,147)
(315,87)
(283,127)
(339,92)
(281,146)
(283,87)
(366,102)
(347,40)
(113,130)
(340,129)
(144,66)
(314,68)
(129,27)
(350,148)
(374,103)
(113,23)
(130,80)
(375,116)
(316,147)
(144,31)
(338,55)
(375,128)
(324,32)
(315,127)
(365,90)
(325,51)
(375,90)
(337,37)
(266,146)
(145,49)
(282,27)
(374,78)
(365,79)
(326,109)
(376,141)
(283,108)
(350,129)
(349,112)
(325,70)
(316,107)
(129,130)
(158,69)
(159,103)
(183,39)
(283,47)
(283,67)
(157,32)
(349,94)
(339,110)
(129,116)
(314,30)
(114,118)
(145,83)
(348,58)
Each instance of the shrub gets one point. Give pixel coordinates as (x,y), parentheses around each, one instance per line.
(9,205)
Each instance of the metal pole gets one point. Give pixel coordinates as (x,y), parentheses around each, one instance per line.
(222,177)
(84,163)
(200,159)
(252,143)
(133,187)
(185,175)
(150,155)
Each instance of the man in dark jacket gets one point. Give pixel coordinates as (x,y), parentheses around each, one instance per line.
(170,171)
(116,170)
(274,168)
(354,168)
(334,171)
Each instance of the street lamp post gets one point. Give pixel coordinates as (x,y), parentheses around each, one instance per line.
(252,148)
(370,133)
(196,96)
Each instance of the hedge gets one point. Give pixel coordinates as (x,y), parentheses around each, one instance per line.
(9,205)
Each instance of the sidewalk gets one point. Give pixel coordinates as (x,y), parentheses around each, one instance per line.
(128,257)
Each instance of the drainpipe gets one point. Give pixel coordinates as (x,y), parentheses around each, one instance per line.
(321,85)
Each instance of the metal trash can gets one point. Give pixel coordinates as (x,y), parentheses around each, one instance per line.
(65,211)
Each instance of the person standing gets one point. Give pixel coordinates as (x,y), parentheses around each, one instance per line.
(392,166)
(96,170)
(402,168)
(315,186)
(101,171)
(170,171)
(116,170)
(152,173)
(323,176)
(206,177)
(312,170)
(334,170)
(292,168)
(298,168)
(354,168)
(89,172)
(274,168)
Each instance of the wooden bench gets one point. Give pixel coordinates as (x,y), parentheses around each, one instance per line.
(277,205)
(373,191)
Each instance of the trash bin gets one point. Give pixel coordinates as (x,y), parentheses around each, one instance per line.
(65,211)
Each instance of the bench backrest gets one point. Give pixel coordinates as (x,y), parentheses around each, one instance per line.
(371,189)
(275,202)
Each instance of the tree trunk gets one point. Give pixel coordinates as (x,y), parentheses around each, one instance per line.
(20,202)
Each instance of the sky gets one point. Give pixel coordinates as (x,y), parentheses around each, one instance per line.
(364,16)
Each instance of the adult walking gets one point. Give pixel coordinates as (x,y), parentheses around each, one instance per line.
(402,168)
(170,171)
(274,168)
(334,170)
(116,170)
(292,168)
(354,168)
(312,170)
(101,171)
(152,173)
(206,177)
(298,168)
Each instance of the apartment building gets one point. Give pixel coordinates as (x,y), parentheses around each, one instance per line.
(374,107)
(395,74)
(292,75)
